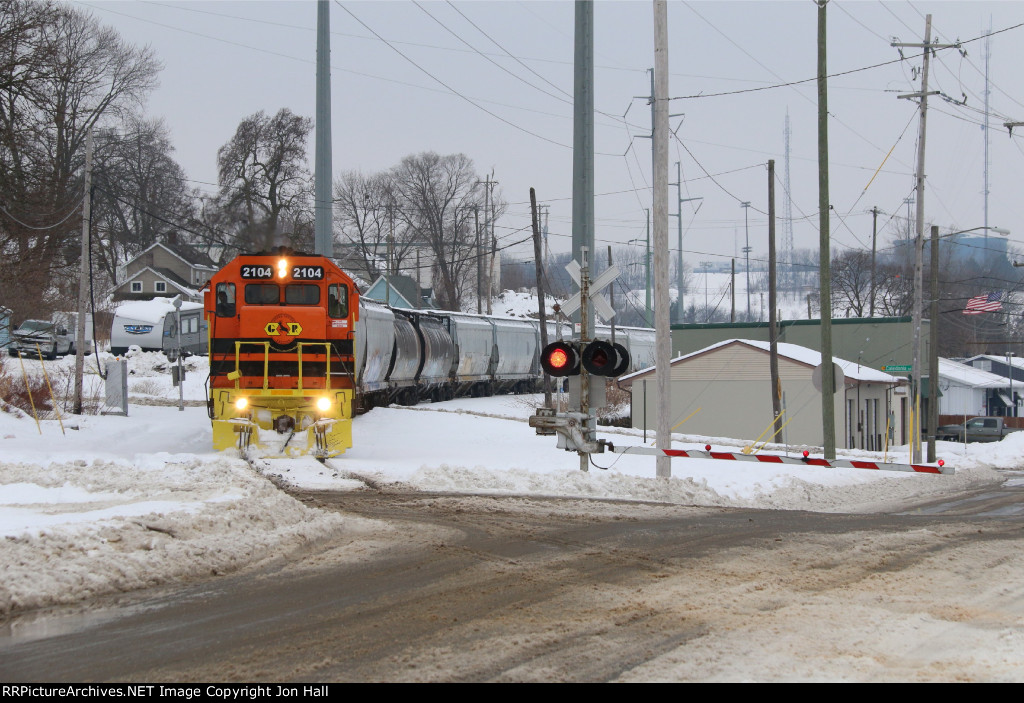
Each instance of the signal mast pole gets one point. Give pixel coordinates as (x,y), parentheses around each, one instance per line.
(584,338)
(322,228)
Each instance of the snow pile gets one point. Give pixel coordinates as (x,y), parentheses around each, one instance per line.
(78,529)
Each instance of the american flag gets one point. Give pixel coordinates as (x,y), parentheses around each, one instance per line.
(984,303)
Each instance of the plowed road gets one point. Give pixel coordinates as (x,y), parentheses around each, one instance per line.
(503,589)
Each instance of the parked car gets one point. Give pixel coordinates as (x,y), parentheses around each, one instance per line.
(51,339)
(978,429)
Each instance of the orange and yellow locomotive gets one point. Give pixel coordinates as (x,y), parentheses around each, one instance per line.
(282,354)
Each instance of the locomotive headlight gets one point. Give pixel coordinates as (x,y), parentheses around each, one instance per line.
(242,403)
(282,268)
(323,404)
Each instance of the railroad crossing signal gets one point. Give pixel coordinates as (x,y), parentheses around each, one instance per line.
(580,359)
(603,307)
(599,358)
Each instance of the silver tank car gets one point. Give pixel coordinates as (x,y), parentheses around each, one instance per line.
(472,366)
(516,342)
(406,362)
(639,342)
(438,352)
(375,340)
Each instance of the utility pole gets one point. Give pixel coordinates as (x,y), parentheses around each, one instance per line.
(494,247)
(487,195)
(746,250)
(479,259)
(732,289)
(933,348)
(679,221)
(773,323)
(927,48)
(874,244)
(542,313)
(84,278)
(662,331)
(706,265)
(828,387)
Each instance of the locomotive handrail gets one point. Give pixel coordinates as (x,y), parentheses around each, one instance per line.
(266,362)
(327,354)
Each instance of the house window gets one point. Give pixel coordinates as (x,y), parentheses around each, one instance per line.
(160,287)
(136,286)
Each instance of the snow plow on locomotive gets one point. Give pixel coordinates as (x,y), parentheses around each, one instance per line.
(282,354)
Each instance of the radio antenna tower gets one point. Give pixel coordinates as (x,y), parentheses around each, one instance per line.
(789,277)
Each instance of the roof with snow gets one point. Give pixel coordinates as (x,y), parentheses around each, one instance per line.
(1014,361)
(967,375)
(794,352)
(152,310)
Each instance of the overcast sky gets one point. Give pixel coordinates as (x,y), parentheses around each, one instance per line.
(493,80)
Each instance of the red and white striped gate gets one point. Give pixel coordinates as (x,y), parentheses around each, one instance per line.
(804,460)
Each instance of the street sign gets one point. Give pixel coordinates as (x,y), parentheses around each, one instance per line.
(897,368)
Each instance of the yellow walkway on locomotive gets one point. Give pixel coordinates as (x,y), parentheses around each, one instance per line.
(282,422)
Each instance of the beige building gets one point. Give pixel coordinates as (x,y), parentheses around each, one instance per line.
(724,390)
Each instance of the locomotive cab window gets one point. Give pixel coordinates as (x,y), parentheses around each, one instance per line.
(225,300)
(262,294)
(337,300)
(302,294)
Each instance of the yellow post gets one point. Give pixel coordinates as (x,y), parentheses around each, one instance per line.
(53,400)
(775,434)
(672,429)
(747,449)
(29,390)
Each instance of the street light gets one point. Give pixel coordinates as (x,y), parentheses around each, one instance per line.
(933,340)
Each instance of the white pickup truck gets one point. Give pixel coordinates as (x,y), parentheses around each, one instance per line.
(52,338)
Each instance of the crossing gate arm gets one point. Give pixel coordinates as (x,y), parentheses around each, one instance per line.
(805,460)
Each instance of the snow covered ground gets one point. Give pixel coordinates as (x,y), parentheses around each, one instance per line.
(100,504)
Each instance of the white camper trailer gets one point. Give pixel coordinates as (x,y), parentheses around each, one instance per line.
(151,326)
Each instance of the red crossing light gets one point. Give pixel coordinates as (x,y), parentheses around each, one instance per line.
(561,358)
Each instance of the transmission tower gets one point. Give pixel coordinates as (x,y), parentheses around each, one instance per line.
(788,278)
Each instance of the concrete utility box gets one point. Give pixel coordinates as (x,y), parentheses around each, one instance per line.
(116,387)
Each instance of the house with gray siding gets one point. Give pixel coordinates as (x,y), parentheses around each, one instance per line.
(162,271)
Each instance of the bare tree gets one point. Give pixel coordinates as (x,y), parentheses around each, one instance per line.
(851,283)
(439,197)
(264,181)
(894,290)
(372,232)
(64,74)
(140,192)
